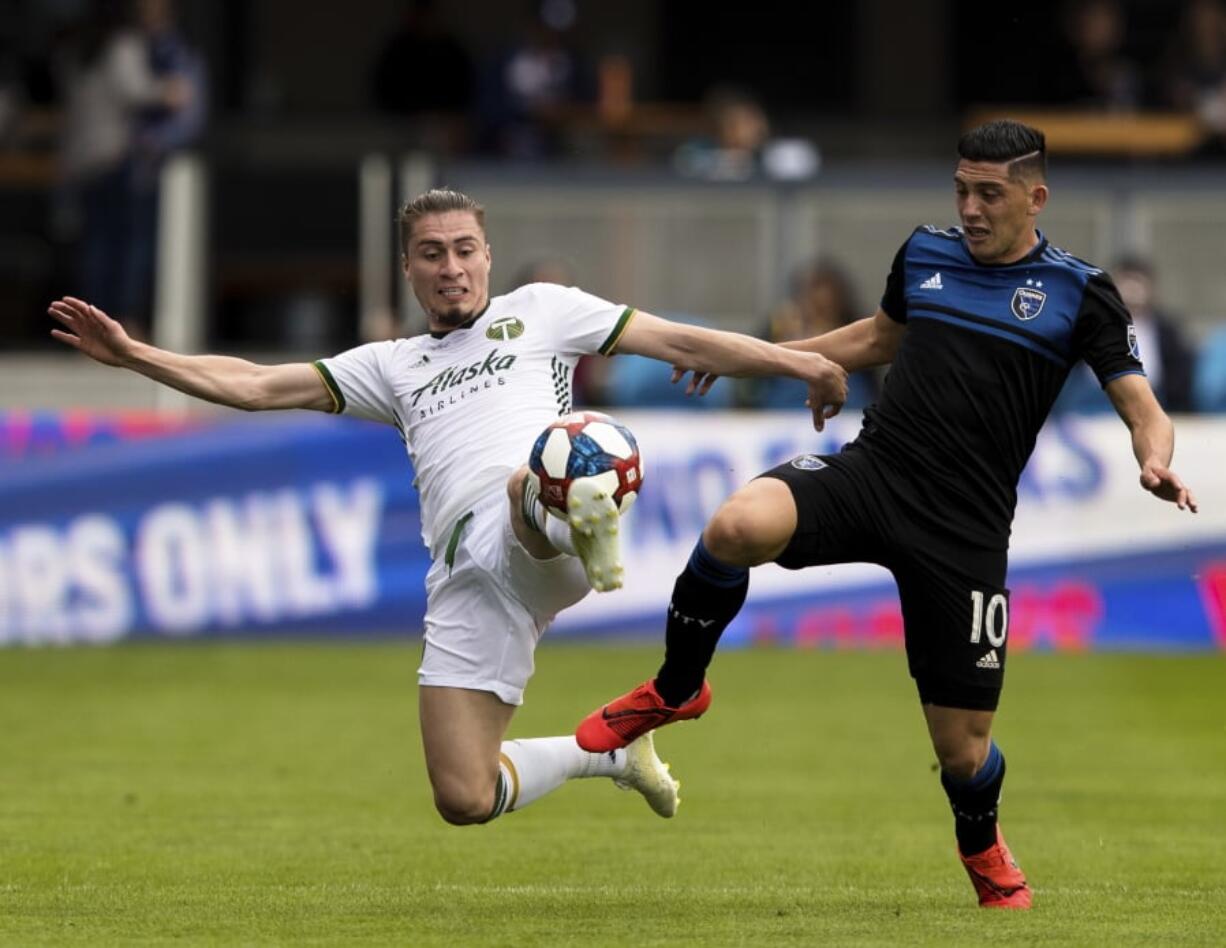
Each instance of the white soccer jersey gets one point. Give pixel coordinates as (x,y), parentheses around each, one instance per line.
(470,403)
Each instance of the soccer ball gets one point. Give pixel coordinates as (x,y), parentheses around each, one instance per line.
(586,444)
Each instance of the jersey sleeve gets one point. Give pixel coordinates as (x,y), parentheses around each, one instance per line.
(1104,335)
(584,324)
(357,382)
(894,300)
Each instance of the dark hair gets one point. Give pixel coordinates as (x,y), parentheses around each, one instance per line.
(436,201)
(1006,141)
(827,270)
(1134,262)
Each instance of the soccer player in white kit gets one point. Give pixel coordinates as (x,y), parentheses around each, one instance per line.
(468,399)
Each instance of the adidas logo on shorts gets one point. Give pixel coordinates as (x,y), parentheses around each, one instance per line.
(991,660)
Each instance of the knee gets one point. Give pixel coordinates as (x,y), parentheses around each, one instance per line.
(737,536)
(959,765)
(961,759)
(462,805)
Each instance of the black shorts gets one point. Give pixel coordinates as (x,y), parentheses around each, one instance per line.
(955,606)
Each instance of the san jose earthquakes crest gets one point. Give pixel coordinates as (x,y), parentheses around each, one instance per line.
(1027,303)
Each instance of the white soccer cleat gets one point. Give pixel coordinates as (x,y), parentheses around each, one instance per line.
(649,775)
(594,527)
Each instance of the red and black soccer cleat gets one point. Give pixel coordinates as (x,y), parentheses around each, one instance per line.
(998,881)
(632,715)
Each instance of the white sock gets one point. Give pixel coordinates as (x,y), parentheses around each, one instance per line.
(557,532)
(529,769)
(555,529)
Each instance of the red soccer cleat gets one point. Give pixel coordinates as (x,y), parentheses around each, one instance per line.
(632,715)
(997,879)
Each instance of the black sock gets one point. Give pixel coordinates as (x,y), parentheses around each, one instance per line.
(706,597)
(974,803)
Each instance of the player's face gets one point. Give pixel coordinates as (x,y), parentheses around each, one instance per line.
(448,266)
(997,211)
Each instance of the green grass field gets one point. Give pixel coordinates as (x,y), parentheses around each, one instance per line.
(263,794)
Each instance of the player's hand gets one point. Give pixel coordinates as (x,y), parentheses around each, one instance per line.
(1165,484)
(827,392)
(700,383)
(91,331)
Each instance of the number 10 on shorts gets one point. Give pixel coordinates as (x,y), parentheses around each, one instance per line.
(994,620)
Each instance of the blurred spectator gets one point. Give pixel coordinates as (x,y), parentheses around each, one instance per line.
(739,131)
(822,299)
(1196,68)
(10,88)
(1210,385)
(423,69)
(133,94)
(530,90)
(1168,359)
(740,145)
(1091,69)
(1165,351)
(545,270)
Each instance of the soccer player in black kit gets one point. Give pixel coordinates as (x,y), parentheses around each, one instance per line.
(981,324)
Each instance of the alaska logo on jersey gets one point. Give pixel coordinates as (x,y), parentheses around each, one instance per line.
(493,366)
(1027,303)
(505,328)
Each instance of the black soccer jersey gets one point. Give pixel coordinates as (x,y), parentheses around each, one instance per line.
(986,351)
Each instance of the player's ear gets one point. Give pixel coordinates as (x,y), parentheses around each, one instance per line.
(1038,197)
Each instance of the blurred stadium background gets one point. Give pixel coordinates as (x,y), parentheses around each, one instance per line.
(223,176)
(235,190)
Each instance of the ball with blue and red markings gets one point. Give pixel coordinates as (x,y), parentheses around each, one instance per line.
(586,444)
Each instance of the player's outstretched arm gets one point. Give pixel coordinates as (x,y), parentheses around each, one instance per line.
(868,342)
(863,344)
(712,352)
(1153,438)
(220,379)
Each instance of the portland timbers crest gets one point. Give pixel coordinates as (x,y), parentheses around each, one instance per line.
(504,328)
(1027,302)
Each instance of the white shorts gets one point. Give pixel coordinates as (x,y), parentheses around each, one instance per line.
(487,610)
